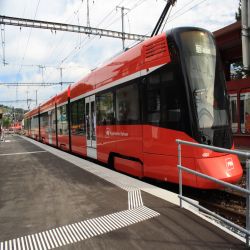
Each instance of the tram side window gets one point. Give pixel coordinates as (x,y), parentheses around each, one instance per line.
(53,117)
(44,120)
(233,110)
(62,120)
(245,112)
(105,109)
(153,110)
(127,104)
(34,123)
(77,117)
(166,104)
(81,117)
(25,123)
(74,123)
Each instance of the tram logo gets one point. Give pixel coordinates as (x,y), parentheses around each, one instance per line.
(110,133)
(107,132)
(229,164)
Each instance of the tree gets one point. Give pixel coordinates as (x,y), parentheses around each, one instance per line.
(238,66)
(238,14)
(6,122)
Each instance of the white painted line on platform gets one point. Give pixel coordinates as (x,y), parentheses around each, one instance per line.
(24,153)
(96,225)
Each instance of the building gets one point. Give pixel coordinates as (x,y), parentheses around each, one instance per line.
(229,43)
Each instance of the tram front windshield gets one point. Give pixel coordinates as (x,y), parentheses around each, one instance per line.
(206,81)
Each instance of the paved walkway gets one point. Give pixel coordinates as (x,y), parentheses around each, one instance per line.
(51,199)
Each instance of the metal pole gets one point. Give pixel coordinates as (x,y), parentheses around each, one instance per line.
(248,200)
(88,20)
(123,34)
(123,39)
(180,173)
(39,24)
(245,22)
(61,77)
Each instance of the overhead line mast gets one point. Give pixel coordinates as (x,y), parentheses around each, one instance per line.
(122,16)
(21,22)
(12,84)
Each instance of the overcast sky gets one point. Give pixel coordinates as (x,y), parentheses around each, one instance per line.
(26,48)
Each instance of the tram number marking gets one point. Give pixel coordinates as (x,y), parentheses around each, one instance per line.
(229,164)
(202,50)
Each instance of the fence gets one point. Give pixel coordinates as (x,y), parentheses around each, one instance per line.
(246,191)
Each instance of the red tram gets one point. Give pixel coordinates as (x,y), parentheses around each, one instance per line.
(129,112)
(239,95)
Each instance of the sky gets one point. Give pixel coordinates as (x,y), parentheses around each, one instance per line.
(36,55)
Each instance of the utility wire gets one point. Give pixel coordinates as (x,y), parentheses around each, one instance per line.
(73,53)
(171,19)
(182,8)
(24,54)
(87,39)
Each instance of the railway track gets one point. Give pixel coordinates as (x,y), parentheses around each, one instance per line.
(228,203)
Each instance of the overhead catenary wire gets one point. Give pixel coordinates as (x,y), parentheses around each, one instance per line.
(24,54)
(87,39)
(177,11)
(73,52)
(201,2)
(25,50)
(174,16)
(86,42)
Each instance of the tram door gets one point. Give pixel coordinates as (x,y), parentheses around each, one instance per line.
(90,109)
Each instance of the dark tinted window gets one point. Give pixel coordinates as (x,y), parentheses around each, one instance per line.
(77,117)
(44,120)
(127,104)
(53,117)
(34,122)
(81,116)
(62,120)
(165,103)
(105,109)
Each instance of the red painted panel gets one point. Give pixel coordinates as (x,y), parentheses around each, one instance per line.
(164,167)
(63,142)
(44,135)
(225,168)
(122,139)
(54,139)
(79,88)
(132,61)
(78,144)
(62,97)
(127,166)
(162,141)
(242,140)
(48,105)
(105,142)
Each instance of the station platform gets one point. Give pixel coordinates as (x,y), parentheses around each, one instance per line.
(52,199)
